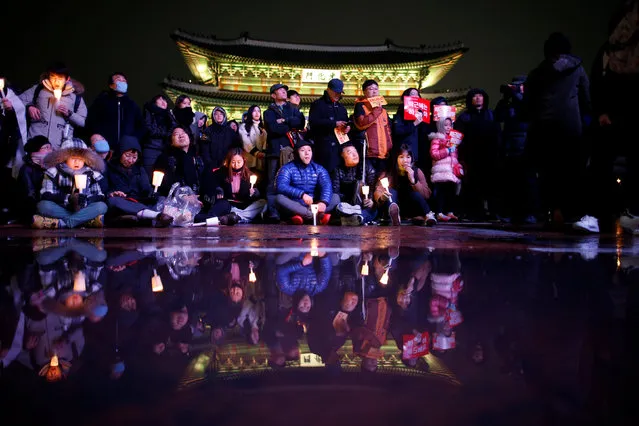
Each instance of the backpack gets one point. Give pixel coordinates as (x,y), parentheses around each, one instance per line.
(40,86)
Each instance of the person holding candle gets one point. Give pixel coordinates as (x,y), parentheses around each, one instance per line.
(350,184)
(55,108)
(13,131)
(130,195)
(71,193)
(301,183)
(404,186)
(233,179)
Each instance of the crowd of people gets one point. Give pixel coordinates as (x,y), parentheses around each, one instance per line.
(528,160)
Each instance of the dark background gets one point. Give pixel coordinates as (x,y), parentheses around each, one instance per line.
(95,38)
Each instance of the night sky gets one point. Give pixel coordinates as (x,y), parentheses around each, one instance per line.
(95,38)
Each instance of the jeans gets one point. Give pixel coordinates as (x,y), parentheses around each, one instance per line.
(251,211)
(72,220)
(290,207)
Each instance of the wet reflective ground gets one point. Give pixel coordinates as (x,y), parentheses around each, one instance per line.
(457,325)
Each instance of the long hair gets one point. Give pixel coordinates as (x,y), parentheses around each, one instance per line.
(179,100)
(248,124)
(393,169)
(245,173)
(407,91)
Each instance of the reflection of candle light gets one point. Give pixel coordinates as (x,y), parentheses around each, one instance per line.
(384,279)
(156,282)
(157,179)
(54,361)
(79,282)
(365,268)
(365,191)
(618,180)
(314,210)
(252,276)
(314,247)
(253,179)
(80,182)
(57,94)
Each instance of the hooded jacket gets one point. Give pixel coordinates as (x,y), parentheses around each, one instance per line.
(133,181)
(52,123)
(30,180)
(509,110)
(220,139)
(113,116)
(558,92)
(444,163)
(158,124)
(59,184)
(196,131)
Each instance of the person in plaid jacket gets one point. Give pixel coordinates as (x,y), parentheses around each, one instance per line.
(62,204)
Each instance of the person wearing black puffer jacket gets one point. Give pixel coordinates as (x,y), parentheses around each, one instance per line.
(130,197)
(220,138)
(158,122)
(478,155)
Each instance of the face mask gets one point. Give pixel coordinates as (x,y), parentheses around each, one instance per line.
(237,170)
(38,157)
(121,86)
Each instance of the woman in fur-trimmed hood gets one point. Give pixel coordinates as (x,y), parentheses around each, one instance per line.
(62,203)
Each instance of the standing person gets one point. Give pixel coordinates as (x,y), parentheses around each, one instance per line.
(254,139)
(407,131)
(424,130)
(446,171)
(183,112)
(518,195)
(13,131)
(407,190)
(326,115)
(557,97)
(234,125)
(113,114)
(301,183)
(159,121)
(294,98)
(376,124)
(198,127)
(478,154)
(55,119)
(62,204)
(219,139)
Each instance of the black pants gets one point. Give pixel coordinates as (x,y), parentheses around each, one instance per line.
(445,194)
(220,208)
(519,192)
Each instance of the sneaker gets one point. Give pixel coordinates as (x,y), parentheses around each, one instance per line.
(348,209)
(353,220)
(588,224)
(97,222)
(430,219)
(393,213)
(451,217)
(442,217)
(162,221)
(629,223)
(324,219)
(229,219)
(41,222)
(297,220)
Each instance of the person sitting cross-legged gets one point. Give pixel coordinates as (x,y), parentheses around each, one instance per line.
(64,205)
(302,183)
(130,194)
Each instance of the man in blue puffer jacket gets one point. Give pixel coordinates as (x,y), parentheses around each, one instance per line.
(301,183)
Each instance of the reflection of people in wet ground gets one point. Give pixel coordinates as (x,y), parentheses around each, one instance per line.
(303,272)
(369,336)
(446,283)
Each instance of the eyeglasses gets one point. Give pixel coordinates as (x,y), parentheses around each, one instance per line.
(130,154)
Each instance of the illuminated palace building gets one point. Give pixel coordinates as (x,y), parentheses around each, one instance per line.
(236,74)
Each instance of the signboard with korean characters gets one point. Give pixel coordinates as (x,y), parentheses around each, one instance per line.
(319,76)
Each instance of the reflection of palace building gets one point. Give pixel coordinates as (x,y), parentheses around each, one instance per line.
(236,74)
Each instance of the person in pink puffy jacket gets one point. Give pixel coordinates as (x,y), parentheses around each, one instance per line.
(446,172)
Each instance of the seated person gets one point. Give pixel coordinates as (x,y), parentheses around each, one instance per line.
(130,194)
(233,180)
(301,183)
(31,176)
(62,204)
(407,189)
(180,164)
(355,208)
(101,146)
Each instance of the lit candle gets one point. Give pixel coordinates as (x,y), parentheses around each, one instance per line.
(55,362)
(57,94)
(314,210)
(384,278)
(80,182)
(384,182)
(253,179)
(79,282)
(314,247)
(365,268)
(157,179)
(252,276)
(156,282)
(1,88)
(365,191)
